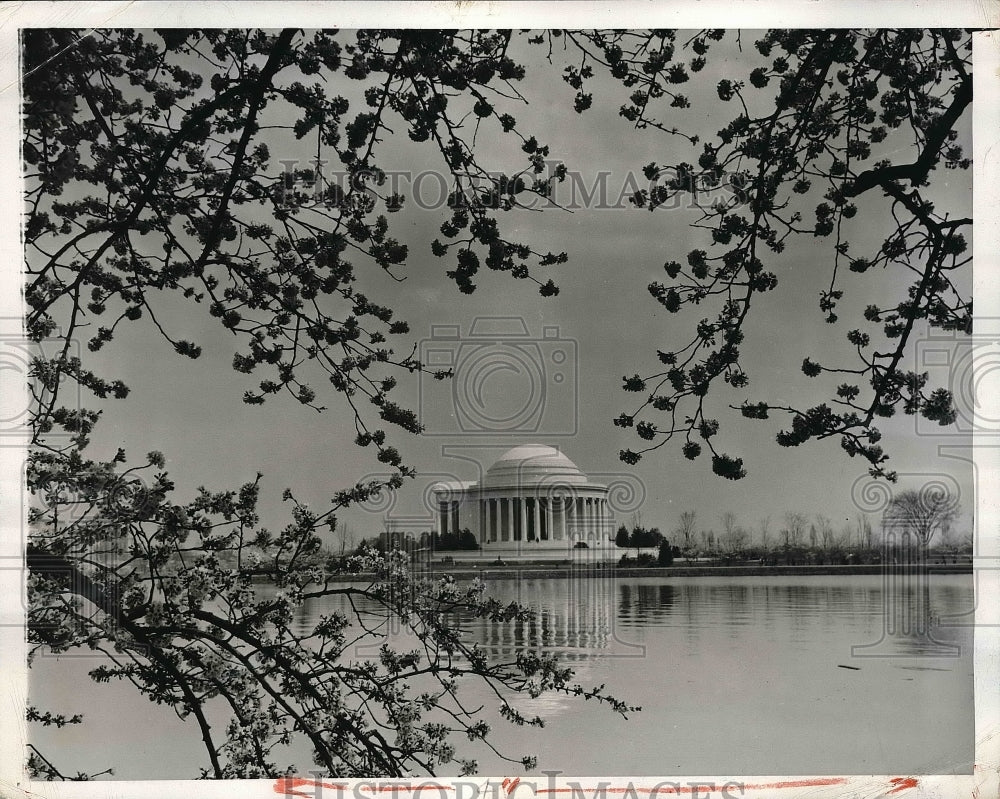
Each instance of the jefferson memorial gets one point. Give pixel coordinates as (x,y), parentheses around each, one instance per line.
(532,501)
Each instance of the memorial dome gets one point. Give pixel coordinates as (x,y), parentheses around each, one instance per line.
(531,464)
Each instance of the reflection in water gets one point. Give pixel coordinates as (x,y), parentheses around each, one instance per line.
(803,609)
(733,676)
(590,617)
(640,604)
(573,617)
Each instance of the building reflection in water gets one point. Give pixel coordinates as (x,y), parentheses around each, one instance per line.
(581,618)
(572,616)
(599,616)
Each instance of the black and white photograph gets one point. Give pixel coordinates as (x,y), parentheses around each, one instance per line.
(498,401)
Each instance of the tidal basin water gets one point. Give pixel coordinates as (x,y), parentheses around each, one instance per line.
(734,676)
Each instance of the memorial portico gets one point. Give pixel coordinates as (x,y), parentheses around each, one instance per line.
(532,499)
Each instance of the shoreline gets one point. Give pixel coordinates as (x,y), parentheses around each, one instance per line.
(536,572)
(707,571)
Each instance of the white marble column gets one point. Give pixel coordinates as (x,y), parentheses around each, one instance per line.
(536,518)
(550,520)
(522,509)
(442,518)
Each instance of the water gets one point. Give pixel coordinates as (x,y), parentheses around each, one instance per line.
(734,676)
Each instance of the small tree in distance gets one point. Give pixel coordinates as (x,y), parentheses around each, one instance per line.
(622,537)
(922,514)
(686,528)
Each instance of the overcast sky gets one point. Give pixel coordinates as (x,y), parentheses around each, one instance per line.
(604,321)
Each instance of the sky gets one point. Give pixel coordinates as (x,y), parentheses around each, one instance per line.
(577,347)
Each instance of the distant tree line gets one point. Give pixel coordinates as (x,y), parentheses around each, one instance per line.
(645,538)
(913,520)
(638,537)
